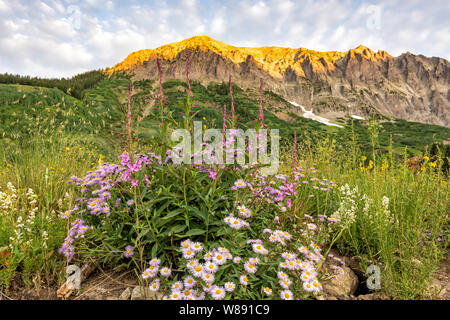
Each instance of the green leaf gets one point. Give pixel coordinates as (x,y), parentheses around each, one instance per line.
(194,232)
(154,250)
(176,229)
(172,214)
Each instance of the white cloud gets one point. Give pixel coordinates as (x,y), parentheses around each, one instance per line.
(42,38)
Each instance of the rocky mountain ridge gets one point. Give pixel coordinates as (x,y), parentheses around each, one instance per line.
(334,84)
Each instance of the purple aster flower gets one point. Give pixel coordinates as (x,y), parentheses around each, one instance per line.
(129,251)
(212,174)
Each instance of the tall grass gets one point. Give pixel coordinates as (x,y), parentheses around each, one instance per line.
(400,215)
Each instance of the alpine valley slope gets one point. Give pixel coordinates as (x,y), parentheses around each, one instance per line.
(333,84)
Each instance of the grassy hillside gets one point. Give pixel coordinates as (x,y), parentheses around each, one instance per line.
(48,136)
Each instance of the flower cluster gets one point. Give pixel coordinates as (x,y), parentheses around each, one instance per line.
(8,199)
(77,230)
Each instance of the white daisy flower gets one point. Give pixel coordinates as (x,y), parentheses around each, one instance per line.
(189,282)
(177,286)
(230,286)
(267,291)
(165,272)
(154,286)
(286,295)
(210,267)
(250,267)
(208,277)
(218,293)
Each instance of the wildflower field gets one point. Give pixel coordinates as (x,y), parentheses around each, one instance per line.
(95,178)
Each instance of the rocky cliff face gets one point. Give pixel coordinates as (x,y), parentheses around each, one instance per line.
(357,82)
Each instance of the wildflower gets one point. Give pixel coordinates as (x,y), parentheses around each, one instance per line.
(274,238)
(154,262)
(240,184)
(129,251)
(146,274)
(244,212)
(192,263)
(254,260)
(177,286)
(196,247)
(210,267)
(186,244)
(200,296)
(258,248)
(189,282)
(286,295)
(223,250)
(311,226)
(307,286)
(285,283)
(237,260)
(267,291)
(243,280)
(188,294)
(218,293)
(230,286)
(281,275)
(289,255)
(250,267)
(235,223)
(130,203)
(165,272)
(188,253)
(154,286)
(219,259)
(207,277)
(303,249)
(197,271)
(176,295)
(212,174)
(316,286)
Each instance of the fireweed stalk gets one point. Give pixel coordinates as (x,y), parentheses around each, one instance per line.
(188,71)
(233,115)
(261,113)
(161,95)
(224,123)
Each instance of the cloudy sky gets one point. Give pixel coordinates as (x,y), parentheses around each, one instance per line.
(60,38)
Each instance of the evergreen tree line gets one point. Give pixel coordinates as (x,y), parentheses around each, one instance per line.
(75,86)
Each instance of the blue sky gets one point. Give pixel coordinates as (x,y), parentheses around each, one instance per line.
(60,38)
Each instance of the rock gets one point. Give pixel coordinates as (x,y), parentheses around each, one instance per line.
(411,87)
(111,298)
(369,296)
(323,296)
(372,296)
(139,294)
(341,285)
(126,294)
(436,290)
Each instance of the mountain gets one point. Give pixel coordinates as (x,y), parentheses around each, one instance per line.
(359,82)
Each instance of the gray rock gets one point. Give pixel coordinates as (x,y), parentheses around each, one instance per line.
(138,293)
(341,285)
(126,294)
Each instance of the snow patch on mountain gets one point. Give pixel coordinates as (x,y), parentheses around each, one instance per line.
(310,115)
